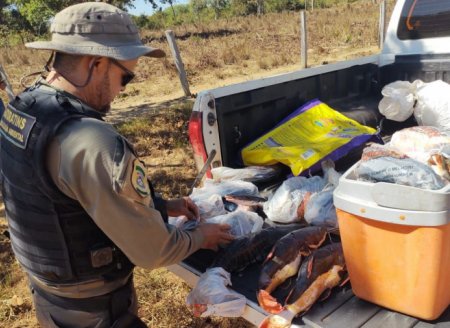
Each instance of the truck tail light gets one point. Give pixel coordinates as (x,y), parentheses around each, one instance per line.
(196,140)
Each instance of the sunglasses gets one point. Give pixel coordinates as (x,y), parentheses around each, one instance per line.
(128,76)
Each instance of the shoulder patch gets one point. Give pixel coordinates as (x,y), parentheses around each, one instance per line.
(139,179)
(16,126)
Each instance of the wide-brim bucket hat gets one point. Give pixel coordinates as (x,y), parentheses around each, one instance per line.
(96,29)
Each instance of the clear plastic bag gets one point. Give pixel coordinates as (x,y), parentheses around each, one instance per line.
(242,222)
(211,296)
(419,142)
(177,221)
(283,205)
(406,171)
(223,188)
(211,206)
(249,173)
(320,208)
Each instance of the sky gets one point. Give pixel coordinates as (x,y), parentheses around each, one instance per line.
(145,8)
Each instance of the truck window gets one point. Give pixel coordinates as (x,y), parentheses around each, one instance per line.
(422,19)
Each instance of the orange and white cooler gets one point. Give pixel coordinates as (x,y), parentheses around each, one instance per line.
(396,242)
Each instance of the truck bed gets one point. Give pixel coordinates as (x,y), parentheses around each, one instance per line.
(242,113)
(341,309)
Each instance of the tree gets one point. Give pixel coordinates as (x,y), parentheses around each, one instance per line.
(217,6)
(154,4)
(260,7)
(38,12)
(141,21)
(197,6)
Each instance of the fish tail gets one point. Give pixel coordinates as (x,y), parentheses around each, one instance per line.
(268,302)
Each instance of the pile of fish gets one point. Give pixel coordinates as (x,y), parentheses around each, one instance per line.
(322,270)
(285,249)
(297,199)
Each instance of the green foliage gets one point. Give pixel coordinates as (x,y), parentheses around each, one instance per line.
(34,15)
(27,17)
(284,5)
(218,6)
(141,21)
(203,11)
(155,3)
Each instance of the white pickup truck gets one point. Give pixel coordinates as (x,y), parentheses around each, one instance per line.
(417,46)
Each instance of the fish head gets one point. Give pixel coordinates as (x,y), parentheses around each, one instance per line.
(315,236)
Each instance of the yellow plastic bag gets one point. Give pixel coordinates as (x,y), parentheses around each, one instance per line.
(312,133)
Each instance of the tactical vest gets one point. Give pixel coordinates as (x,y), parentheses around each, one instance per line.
(52,236)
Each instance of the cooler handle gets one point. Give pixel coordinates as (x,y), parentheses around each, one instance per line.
(410,198)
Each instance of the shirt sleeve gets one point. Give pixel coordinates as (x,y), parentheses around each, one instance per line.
(90,162)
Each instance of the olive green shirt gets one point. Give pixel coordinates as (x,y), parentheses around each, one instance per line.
(90,162)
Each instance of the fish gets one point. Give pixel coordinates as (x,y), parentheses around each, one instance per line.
(246,250)
(319,262)
(302,207)
(251,203)
(321,284)
(284,261)
(247,200)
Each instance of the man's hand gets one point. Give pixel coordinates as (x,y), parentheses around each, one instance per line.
(215,235)
(183,206)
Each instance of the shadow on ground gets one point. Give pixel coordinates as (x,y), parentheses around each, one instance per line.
(146,109)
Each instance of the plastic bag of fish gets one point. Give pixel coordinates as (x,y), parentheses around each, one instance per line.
(301,198)
(417,157)
(242,222)
(249,173)
(222,188)
(211,296)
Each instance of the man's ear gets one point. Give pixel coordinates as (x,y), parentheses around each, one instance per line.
(100,63)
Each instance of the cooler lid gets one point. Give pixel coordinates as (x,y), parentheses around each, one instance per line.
(392,202)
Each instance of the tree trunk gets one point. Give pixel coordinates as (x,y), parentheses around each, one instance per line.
(260,7)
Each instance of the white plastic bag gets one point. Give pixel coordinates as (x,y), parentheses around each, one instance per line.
(242,222)
(433,104)
(212,297)
(429,102)
(283,205)
(398,100)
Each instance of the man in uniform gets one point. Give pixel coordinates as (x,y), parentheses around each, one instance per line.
(80,208)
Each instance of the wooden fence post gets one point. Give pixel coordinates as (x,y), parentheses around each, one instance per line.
(178,62)
(4,78)
(382,24)
(303,40)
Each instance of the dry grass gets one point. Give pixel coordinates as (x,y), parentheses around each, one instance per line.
(223,52)
(236,47)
